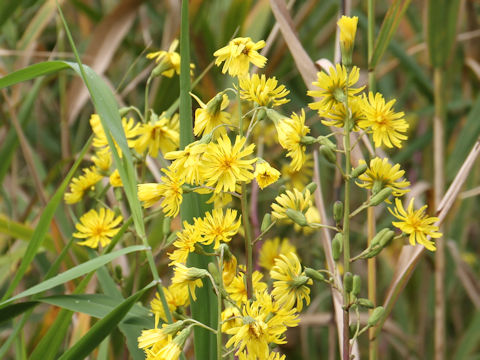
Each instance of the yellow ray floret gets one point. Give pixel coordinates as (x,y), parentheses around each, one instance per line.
(265,174)
(97,227)
(263,91)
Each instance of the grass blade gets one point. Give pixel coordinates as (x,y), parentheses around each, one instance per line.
(388,28)
(103,328)
(75,272)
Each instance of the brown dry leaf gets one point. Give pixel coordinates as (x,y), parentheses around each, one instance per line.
(104,42)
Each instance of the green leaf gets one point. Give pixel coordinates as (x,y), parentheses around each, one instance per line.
(75,272)
(470,340)
(388,28)
(33,71)
(441,29)
(43,226)
(103,328)
(21,231)
(11,311)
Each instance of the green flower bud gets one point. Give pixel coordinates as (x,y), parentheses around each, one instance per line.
(261,114)
(124,111)
(386,238)
(311,187)
(266,222)
(195,273)
(377,314)
(366,303)
(167,221)
(378,236)
(338,211)
(329,154)
(348,282)
(212,269)
(173,328)
(337,245)
(297,217)
(357,285)
(377,186)
(380,197)
(322,140)
(359,170)
(314,274)
(308,140)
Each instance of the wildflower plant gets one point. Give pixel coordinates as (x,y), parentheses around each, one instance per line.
(251,167)
(225,165)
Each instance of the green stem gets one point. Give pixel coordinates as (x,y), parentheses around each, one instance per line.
(147,88)
(370,40)
(248,240)
(219,307)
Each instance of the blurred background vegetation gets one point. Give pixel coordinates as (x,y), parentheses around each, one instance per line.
(113,38)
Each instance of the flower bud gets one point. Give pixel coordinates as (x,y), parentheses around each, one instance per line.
(311,187)
(337,244)
(359,170)
(323,140)
(377,314)
(267,220)
(338,211)
(378,236)
(357,285)
(329,154)
(308,140)
(314,274)
(297,217)
(274,115)
(212,269)
(261,114)
(366,303)
(348,29)
(377,186)
(167,221)
(386,238)
(124,111)
(348,282)
(380,197)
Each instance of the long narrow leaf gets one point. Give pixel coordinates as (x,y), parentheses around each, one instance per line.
(103,328)
(75,272)
(388,28)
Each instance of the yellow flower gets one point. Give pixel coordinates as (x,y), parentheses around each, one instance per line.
(97,227)
(290,133)
(224,164)
(170,190)
(381,174)
(160,134)
(333,87)
(175,296)
(348,29)
(153,338)
(290,285)
(301,178)
(115,179)
(262,91)
(102,159)
(185,243)
(291,200)
(265,174)
(272,249)
(169,61)
(187,162)
(217,226)
(237,289)
(238,55)
(185,277)
(81,184)
(229,270)
(388,127)
(417,224)
(336,115)
(100,139)
(211,115)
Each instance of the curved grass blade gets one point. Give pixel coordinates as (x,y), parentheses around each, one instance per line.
(103,328)
(388,28)
(14,310)
(75,272)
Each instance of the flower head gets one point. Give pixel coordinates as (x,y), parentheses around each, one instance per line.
(237,290)
(185,243)
(80,184)
(209,116)
(160,134)
(115,179)
(290,132)
(175,296)
(224,164)
(348,29)
(272,249)
(265,174)
(238,55)
(333,87)
(336,115)
(262,91)
(100,139)
(218,226)
(388,127)
(299,178)
(381,174)
(168,61)
(416,223)
(102,159)
(187,162)
(294,200)
(185,277)
(290,285)
(170,190)
(97,227)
